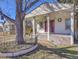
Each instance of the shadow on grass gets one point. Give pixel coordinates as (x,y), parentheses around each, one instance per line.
(62,52)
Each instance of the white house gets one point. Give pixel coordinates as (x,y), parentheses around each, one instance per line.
(9,27)
(52,19)
(54,22)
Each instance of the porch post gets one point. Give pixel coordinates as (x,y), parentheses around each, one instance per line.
(24,28)
(72,28)
(48,27)
(34,30)
(33,22)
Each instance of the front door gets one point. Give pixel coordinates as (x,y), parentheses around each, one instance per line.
(51,26)
(46,26)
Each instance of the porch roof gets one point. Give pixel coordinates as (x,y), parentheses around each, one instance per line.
(48,8)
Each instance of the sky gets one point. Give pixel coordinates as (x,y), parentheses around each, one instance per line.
(8,7)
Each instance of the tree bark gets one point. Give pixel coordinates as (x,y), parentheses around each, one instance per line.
(19,22)
(19,31)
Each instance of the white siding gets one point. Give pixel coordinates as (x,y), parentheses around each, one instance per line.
(60,27)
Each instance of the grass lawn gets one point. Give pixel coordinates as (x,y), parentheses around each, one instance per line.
(46,50)
(13,47)
(43,52)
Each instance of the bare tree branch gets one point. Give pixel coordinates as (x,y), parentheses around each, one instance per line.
(24,11)
(25,4)
(7,18)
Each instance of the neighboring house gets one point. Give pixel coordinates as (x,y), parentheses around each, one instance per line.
(1,29)
(9,27)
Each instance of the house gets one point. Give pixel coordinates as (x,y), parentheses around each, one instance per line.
(9,27)
(50,21)
(1,30)
(54,22)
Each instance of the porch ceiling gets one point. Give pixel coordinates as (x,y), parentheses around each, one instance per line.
(48,8)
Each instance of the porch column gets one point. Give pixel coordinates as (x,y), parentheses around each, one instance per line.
(33,22)
(48,27)
(34,30)
(24,28)
(72,28)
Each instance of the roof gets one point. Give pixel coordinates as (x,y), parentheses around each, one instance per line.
(48,8)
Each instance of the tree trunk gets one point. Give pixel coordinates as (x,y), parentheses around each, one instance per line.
(19,22)
(19,31)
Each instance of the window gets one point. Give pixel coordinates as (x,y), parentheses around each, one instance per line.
(68,24)
(12,27)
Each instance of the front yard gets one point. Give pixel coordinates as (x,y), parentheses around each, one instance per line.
(47,50)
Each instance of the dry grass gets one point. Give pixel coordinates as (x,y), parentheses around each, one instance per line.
(8,44)
(46,50)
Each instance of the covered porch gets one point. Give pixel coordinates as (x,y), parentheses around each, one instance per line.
(45,26)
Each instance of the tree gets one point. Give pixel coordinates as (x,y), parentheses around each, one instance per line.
(68,1)
(21,7)
(18,21)
(20,14)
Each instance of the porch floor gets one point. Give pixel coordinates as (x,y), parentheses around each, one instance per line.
(57,39)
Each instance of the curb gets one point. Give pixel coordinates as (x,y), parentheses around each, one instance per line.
(14,54)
